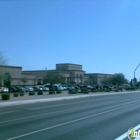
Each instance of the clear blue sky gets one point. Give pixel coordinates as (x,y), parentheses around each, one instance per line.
(101,35)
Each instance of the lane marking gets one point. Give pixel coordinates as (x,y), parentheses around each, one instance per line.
(36,108)
(9,112)
(66,104)
(125,134)
(74,108)
(69,122)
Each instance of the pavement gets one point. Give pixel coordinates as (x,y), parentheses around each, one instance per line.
(26,99)
(91,118)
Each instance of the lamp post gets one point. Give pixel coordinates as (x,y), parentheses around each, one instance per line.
(46,72)
(134,74)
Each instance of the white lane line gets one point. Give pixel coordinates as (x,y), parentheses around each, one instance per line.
(69,122)
(73,103)
(44,114)
(66,104)
(56,112)
(125,134)
(9,112)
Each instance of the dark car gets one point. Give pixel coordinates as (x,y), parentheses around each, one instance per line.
(35,88)
(13,89)
(20,89)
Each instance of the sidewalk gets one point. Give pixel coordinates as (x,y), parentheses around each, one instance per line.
(26,99)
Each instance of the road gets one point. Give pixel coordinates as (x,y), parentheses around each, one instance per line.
(92,118)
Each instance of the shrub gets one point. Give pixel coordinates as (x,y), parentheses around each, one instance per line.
(84,90)
(106,90)
(59,91)
(5,96)
(16,94)
(93,90)
(132,88)
(51,92)
(73,91)
(116,90)
(100,90)
(31,93)
(21,93)
(40,93)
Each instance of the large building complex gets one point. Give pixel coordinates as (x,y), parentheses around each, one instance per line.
(70,72)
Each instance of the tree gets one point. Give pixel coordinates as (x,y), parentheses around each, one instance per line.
(53,78)
(107,81)
(24,80)
(90,81)
(138,84)
(7,80)
(118,79)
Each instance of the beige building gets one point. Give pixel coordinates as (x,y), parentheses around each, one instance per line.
(72,73)
(98,77)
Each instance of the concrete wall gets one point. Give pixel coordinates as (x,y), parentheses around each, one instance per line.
(68,66)
(98,76)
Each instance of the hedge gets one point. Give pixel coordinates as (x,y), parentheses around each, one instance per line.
(40,93)
(16,94)
(31,93)
(5,96)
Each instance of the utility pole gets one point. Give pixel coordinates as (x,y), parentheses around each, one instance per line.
(134,75)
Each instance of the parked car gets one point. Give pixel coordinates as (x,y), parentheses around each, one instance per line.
(44,88)
(13,89)
(64,87)
(4,89)
(20,88)
(28,88)
(36,88)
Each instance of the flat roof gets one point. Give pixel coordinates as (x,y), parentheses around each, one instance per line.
(68,64)
(97,74)
(10,66)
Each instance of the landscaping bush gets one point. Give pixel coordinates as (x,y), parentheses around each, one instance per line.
(100,90)
(73,91)
(16,94)
(40,93)
(84,90)
(59,91)
(106,90)
(93,90)
(132,88)
(21,93)
(31,93)
(5,96)
(51,92)
(116,90)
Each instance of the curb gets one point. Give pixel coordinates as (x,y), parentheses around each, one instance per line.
(21,102)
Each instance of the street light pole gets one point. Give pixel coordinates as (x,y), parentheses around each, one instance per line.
(134,74)
(136,69)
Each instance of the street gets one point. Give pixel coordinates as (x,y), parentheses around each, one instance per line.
(91,118)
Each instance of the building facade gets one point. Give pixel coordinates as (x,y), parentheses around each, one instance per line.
(72,73)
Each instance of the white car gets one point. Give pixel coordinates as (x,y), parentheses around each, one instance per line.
(44,88)
(4,89)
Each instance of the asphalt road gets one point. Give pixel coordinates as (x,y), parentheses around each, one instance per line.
(94,118)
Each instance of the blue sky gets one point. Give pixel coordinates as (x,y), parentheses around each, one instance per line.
(101,35)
